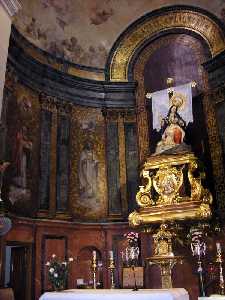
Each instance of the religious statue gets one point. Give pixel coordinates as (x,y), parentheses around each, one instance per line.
(173,130)
(172,187)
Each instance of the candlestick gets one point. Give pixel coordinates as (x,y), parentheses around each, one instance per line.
(198,249)
(219,260)
(218,247)
(111,268)
(94,268)
(111,254)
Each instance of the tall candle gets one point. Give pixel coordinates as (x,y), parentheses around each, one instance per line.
(218,247)
(94,254)
(111,254)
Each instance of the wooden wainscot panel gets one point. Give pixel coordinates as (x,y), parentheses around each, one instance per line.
(21,233)
(51,244)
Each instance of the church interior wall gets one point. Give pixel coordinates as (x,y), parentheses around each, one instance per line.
(71,186)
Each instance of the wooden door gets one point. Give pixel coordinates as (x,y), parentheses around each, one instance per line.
(19,272)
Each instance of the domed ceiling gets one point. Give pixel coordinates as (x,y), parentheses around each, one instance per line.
(83,31)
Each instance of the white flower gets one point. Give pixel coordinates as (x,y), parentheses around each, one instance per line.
(51,270)
(70,259)
(53,255)
(47,263)
(56,275)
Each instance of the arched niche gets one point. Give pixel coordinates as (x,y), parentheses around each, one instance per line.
(159,22)
(130,54)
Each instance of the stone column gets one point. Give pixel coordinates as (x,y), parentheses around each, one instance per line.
(7,9)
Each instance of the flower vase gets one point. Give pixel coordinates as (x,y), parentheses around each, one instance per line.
(58,286)
(132,254)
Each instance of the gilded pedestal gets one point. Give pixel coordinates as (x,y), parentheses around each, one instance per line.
(172,191)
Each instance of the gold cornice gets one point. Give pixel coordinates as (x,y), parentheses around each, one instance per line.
(182,19)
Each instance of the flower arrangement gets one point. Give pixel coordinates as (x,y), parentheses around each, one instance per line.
(132,238)
(58,272)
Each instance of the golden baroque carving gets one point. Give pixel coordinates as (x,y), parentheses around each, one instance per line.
(182,19)
(165,197)
(143,197)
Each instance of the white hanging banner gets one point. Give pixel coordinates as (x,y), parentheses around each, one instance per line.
(161,104)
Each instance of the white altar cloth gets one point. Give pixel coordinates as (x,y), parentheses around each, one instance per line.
(117,294)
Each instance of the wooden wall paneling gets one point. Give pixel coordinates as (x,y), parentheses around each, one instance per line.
(51,244)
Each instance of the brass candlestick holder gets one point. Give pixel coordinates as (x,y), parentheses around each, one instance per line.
(112,268)
(219,260)
(94,271)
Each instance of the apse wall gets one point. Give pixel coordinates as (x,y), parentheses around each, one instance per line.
(76,138)
(69,143)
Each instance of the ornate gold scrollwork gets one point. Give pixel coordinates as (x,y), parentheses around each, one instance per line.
(196,187)
(167,183)
(166,195)
(143,196)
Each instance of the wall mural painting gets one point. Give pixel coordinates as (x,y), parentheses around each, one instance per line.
(22,148)
(88,179)
(83,32)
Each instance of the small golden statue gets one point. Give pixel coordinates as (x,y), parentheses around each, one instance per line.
(164,256)
(163,242)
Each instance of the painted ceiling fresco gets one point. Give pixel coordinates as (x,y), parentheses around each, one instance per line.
(83,31)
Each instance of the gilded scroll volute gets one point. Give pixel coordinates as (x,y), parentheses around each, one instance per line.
(143,196)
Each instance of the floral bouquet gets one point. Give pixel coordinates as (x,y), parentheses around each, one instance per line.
(131,253)
(132,238)
(58,272)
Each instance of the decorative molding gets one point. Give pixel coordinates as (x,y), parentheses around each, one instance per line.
(189,19)
(55,83)
(57,63)
(11,6)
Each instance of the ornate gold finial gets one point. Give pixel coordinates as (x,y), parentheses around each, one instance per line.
(170,82)
(163,241)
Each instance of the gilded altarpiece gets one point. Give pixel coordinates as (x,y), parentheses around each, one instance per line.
(88,187)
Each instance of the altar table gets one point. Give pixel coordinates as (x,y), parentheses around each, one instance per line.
(118,294)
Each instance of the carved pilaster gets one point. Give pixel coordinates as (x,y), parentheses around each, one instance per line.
(216,152)
(48,155)
(56,115)
(117,118)
(63,205)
